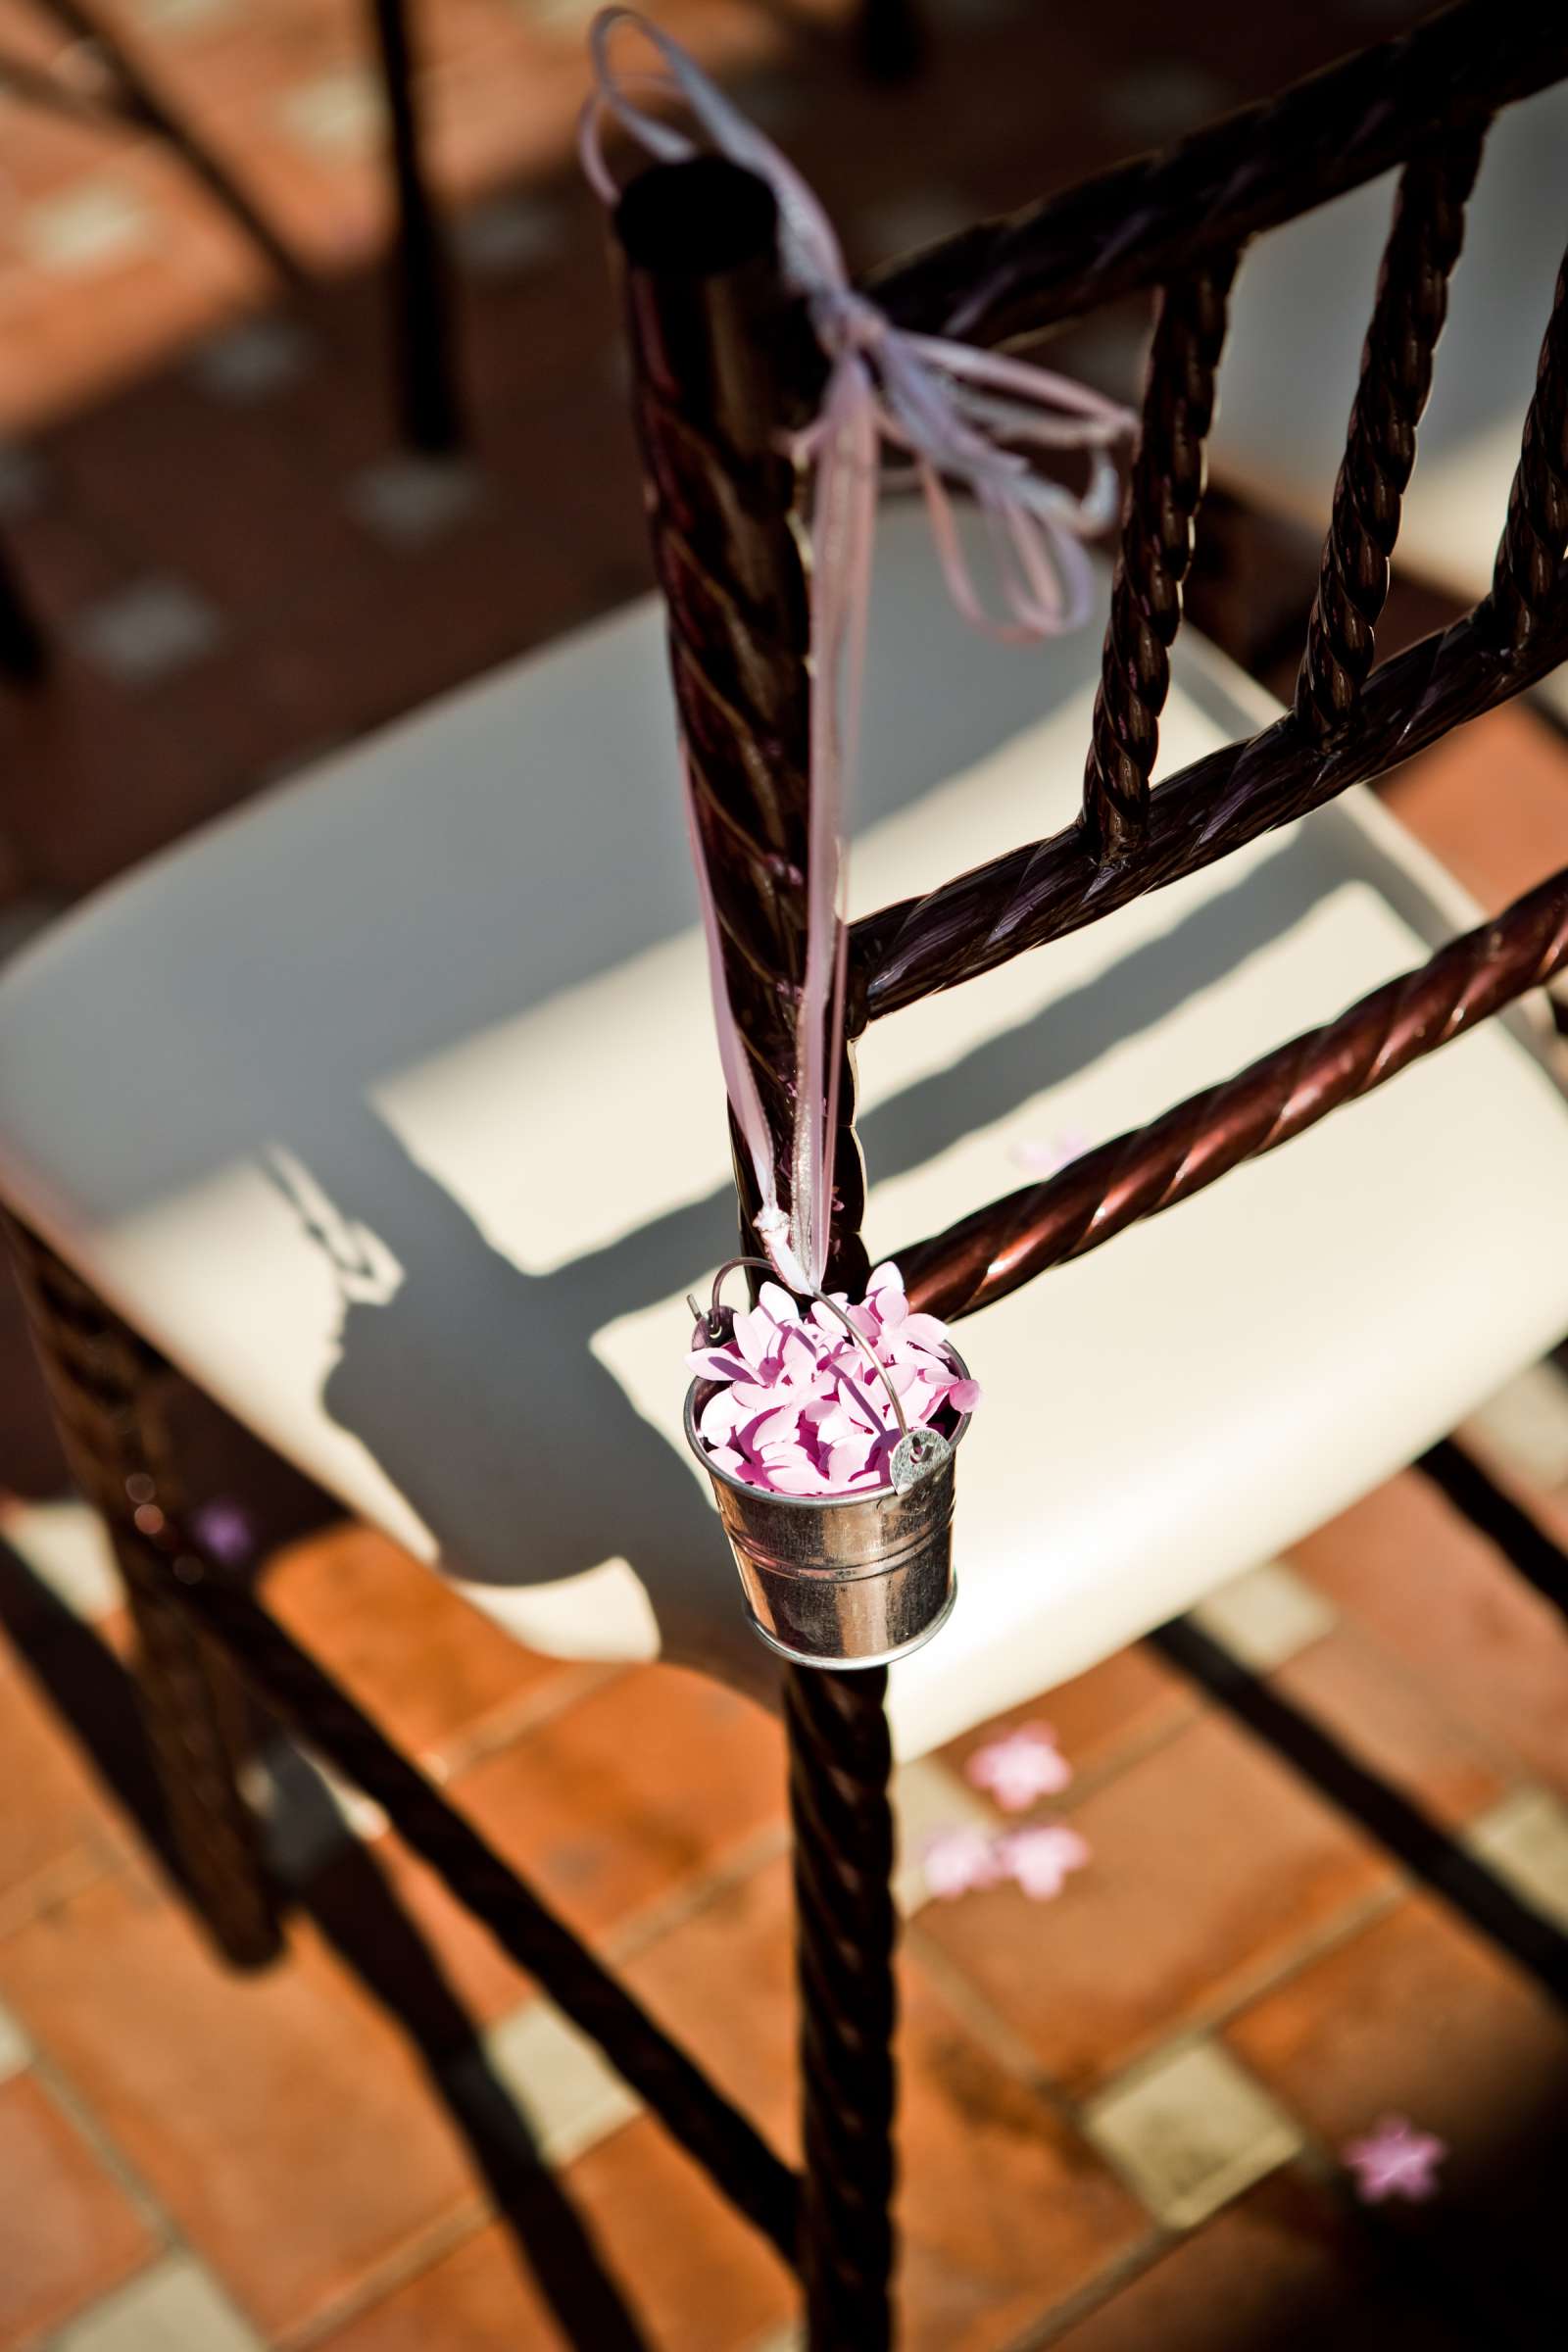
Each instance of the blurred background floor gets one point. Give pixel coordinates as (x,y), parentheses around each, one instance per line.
(1124,2106)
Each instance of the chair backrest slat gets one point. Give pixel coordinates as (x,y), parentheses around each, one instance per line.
(1145,222)
(1004,1245)
(1528,585)
(1047,888)
(1407,315)
(1164,492)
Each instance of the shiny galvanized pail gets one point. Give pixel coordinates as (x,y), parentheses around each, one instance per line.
(840,1580)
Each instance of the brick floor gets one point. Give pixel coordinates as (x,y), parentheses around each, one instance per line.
(336,2155)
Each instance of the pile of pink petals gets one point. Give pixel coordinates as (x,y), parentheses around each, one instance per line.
(802,1412)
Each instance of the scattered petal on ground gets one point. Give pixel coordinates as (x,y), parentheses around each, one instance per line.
(958,1859)
(1021,1767)
(1039,1860)
(1396,2160)
(224,1529)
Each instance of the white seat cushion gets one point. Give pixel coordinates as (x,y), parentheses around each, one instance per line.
(389,1110)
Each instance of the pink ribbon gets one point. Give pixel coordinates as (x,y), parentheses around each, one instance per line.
(953,410)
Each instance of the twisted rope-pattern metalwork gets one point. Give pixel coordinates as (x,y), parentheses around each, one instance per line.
(1231,797)
(722,375)
(1526,583)
(841,1761)
(1407,315)
(1164,492)
(999,1247)
(719,380)
(1146,222)
(102,1385)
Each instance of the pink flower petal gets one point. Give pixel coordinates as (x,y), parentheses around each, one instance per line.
(756,1335)
(846,1461)
(795,1478)
(715,1364)
(1023,1766)
(958,1859)
(1396,2160)
(1039,1860)
(720,1417)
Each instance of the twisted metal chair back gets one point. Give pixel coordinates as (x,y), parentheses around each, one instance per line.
(726,367)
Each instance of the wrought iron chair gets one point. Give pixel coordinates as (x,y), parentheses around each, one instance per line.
(205,1155)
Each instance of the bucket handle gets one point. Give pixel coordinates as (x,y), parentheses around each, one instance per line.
(918,1452)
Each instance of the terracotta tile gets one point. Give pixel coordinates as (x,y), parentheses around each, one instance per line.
(1390,1721)
(281,2120)
(690,2267)
(1497,842)
(723,1983)
(635,1792)
(443,1968)
(426,1664)
(604,1810)
(67,2232)
(1003,2211)
(1435,1593)
(1117,1708)
(1280,2268)
(1417,2016)
(668,2250)
(481,2297)
(1210,1865)
(56,1811)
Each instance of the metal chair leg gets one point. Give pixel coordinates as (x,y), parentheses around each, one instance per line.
(891,36)
(103,1385)
(841,1761)
(431,416)
(22,646)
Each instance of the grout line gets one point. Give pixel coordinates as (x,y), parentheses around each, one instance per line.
(1214,2015)
(1136,1750)
(974,2009)
(1403,1674)
(668,1911)
(514,1719)
(162,2225)
(419,2252)
(49,1889)
(1120,2272)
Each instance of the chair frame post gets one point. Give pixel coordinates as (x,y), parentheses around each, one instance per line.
(22,654)
(103,1383)
(430,411)
(724,366)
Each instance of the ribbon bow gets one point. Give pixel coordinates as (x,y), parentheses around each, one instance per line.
(953,411)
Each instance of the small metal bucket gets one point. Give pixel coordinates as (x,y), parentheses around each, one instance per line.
(840,1580)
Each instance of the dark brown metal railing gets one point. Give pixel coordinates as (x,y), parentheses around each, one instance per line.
(1146,222)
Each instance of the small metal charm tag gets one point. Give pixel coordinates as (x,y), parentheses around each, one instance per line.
(916,1456)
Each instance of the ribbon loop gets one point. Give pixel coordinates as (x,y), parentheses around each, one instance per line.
(957,412)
